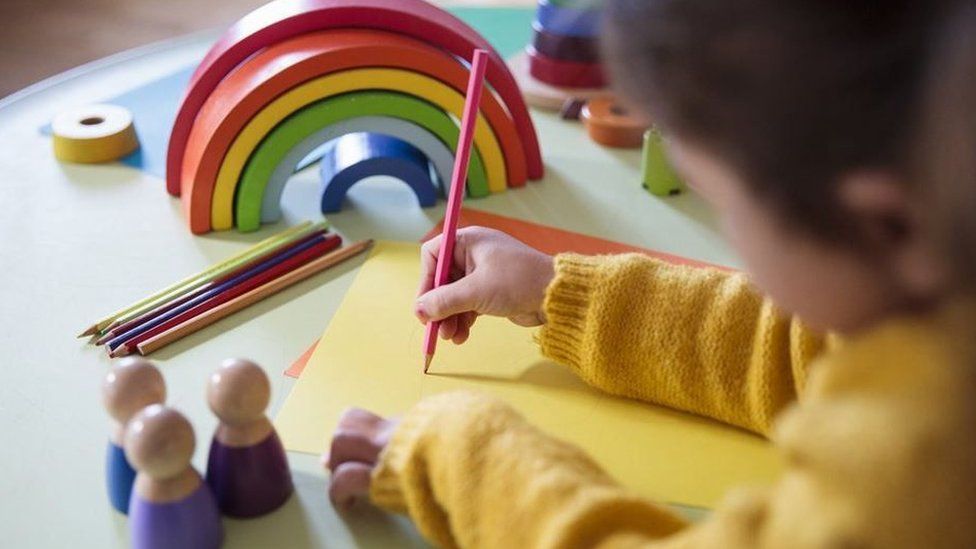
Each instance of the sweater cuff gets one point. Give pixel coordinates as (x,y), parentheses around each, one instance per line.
(384,488)
(568,306)
(397,470)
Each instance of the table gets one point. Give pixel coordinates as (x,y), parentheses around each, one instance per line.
(77,242)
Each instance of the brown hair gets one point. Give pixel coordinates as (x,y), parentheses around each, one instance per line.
(791,93)
(947,147)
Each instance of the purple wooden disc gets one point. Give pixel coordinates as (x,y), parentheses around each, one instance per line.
(580,49)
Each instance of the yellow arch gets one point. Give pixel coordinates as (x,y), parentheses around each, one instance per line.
(411,83)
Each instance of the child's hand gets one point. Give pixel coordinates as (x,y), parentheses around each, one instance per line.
(492,273)
(355,450)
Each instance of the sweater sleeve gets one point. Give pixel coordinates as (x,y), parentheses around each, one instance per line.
(696,339)
(471,472)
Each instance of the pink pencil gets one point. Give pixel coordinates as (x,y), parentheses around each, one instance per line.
(476,84)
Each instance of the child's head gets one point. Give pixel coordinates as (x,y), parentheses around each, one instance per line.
(794,119)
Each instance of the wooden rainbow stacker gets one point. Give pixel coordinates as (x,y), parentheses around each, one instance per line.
(281,77)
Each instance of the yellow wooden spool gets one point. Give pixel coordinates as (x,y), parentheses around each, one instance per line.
(94,134)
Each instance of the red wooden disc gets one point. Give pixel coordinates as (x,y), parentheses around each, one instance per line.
(565,48)
(565,74)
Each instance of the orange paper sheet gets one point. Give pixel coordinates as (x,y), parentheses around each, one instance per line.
(549,240)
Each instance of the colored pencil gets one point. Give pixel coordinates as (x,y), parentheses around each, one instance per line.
(246,300)
(469,119)
(128,343)
(125,327)
(257,269)
(174,289)
(225,267)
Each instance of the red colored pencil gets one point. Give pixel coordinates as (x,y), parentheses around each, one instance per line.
(130,345)
(469,119)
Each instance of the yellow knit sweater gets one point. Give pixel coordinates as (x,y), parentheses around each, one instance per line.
(880,450)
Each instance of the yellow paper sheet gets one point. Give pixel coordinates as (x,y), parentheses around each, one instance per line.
(370,357)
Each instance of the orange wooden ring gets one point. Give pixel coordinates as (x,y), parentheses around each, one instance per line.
(611,125)
(287,64)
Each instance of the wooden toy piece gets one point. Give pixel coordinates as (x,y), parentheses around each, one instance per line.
(284,19)
(441,157)
(255,86)
(264,177)
(393,80)
(247,468)
(243,153)
(565,20)
(545,96)
(610,124)
(130,386)
(565,48)
(567,74)
(289,144)
(657,174)
(171,506)
(93,134)
(354,157)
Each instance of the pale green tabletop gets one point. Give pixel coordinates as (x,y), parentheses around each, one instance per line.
(77,242)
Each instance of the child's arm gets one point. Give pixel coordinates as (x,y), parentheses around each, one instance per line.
(701,340)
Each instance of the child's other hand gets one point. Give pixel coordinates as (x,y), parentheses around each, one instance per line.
(355,450)
(492,273)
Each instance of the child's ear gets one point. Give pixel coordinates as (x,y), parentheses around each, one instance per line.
(889,221)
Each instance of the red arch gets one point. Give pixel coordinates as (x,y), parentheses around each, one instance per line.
(283,19)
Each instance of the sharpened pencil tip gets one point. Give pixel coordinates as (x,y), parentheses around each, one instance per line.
(427,360)
(91,330)
(120,351)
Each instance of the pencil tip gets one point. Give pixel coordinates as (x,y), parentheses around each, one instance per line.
(88,332)
(122,350)
(427,360)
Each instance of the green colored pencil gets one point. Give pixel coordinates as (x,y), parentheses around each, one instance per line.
(195,281)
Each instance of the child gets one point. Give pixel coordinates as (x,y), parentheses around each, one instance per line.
(795,120)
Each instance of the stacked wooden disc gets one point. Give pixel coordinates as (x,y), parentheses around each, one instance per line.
(563,60)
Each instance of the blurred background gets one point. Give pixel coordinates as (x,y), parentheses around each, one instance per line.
(41,38)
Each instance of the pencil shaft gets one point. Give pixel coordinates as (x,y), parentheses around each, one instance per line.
(469,121)
(246,300)
(176,287)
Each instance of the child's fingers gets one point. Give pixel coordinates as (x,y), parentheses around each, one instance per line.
(458,297)
(428,264)
(463,332)
(448,327)
(349,482)
(351,446)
